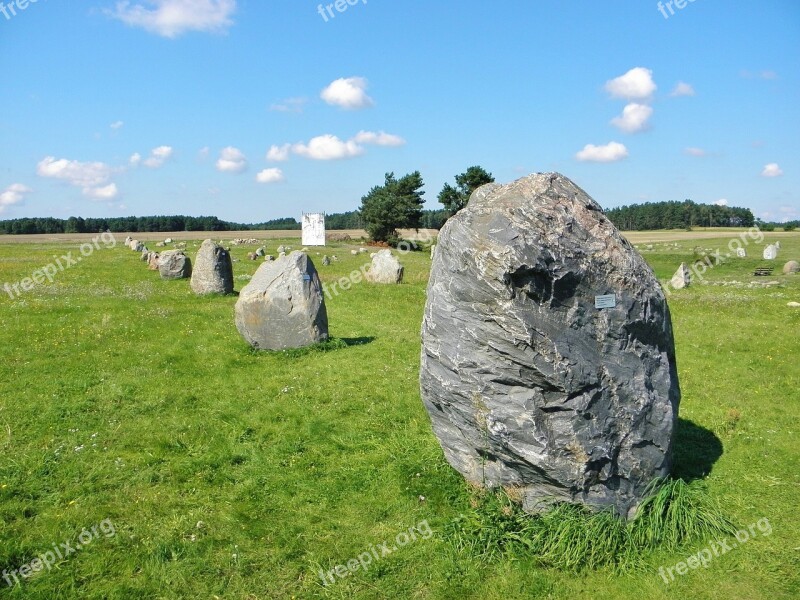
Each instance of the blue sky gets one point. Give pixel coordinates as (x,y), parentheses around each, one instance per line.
(257,109)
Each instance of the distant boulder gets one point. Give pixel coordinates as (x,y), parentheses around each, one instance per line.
(174,264)
(791,267)
(385,268)
(213,270)
(682,278)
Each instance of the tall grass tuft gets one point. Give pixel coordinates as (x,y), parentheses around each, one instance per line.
(571,538)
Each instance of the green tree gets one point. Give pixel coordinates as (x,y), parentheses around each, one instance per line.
(395,204)
(456,198)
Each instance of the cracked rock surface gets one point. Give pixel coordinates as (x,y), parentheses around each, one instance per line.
(283,306)
(528,384)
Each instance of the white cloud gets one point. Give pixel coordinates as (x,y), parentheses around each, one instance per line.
(348,93)
(158,156)
(381,138)
(721,202)
(328,147)
(13,194)
(92,177)
(611,152)
(270,176)
(135,159)
(682,89)
(772,170)
(117,125)
(760,75)
(633,119)
(108,192)
(171,18)
(231,160)
(636,84)
(293,105)
(279,153)
(79,174)
(695,151)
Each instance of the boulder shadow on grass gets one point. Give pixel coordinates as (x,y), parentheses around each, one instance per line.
(329,345)
(695,451)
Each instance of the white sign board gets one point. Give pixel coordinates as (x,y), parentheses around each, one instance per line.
(314,229)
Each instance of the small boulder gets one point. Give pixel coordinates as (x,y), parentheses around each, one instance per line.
(168,241)
(213,270)
(252,256)
(354,252)
(152,261)
(283,305)
(385,268)
(793,304)
(261,251)
(326,261)
(174,264)
(741,253)
(281,249)
(770,252)
(682,278)
(791,267)
(269,258)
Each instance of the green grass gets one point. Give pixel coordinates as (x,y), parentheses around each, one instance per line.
(236,474)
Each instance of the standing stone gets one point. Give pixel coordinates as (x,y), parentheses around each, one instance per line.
(354,252)
(128,241)
(326,261)
(152,261)
(791,267)
(385,268)
(145,255)
(174,264)
(283,305)
(213,271)
(252,256)
(682,278)
(741,253)
(527,382)
(281,249)
(269,258)
(778,245)
(168,241)
(261,251)
(770,252)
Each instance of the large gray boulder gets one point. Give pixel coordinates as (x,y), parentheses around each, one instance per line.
(174,264)
(283,305)
(212,272)
(533,382)
(771,252)
(385,268)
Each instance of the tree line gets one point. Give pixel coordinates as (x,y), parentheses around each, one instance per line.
(678,215)
(397,204)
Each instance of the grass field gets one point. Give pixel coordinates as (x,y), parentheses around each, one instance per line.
(208,470)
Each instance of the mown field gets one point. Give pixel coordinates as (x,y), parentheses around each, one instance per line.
(208,470)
